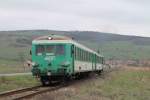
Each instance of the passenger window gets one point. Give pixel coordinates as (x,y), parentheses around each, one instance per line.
(50,49)
(76,53)
(60,50)
(39,50)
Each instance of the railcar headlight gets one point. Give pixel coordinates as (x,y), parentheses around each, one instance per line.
(33,63)
(65,64)
(50,38)
(49,73)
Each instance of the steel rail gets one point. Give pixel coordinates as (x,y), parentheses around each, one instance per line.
(9,93)
(49,89)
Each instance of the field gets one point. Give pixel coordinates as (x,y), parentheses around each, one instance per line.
(125,83)
(13,54)
(121,50)
(15,82)
(11,66)
(128,83)
(15,46)
(122,84)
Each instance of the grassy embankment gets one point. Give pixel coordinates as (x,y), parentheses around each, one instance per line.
(12,54)
(121,85)
(126,84)
(9,66)
(15,82)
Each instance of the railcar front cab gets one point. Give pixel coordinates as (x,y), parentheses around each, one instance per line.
(51,61)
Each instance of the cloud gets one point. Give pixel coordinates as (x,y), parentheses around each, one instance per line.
(121,16)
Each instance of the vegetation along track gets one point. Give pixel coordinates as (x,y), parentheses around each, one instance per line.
(30,92)
(27,93)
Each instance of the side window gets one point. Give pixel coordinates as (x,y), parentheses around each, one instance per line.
(100,59)
(82,55)
(85,56)
(75,53)
(89,57)
(97,59)
(39,50)
(103,62)
(78,53)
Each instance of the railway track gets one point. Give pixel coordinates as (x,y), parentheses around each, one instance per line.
(30,92)
(27,93)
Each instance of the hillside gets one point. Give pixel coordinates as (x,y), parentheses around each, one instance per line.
(16,44)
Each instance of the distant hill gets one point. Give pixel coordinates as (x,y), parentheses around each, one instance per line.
(97,37)
(12,43)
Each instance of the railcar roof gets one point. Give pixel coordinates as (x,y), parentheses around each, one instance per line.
(61,39)
(54,37)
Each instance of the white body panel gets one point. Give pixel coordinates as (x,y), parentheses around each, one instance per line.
(99,66)
(81,66)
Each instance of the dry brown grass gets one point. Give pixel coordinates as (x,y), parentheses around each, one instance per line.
(128,83)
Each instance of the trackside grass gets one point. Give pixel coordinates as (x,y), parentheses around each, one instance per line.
(16,82)
(9,66)
(122,84)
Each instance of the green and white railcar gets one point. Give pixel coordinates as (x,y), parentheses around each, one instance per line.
(55,56)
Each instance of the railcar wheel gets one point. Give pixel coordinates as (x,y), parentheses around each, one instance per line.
(100,72)
(45,81)
(66,79)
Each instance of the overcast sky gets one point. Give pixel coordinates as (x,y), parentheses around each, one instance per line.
(117,16)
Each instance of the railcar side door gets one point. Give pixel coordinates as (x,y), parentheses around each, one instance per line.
(72,57)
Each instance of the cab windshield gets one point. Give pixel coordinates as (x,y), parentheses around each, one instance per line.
(50,49)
